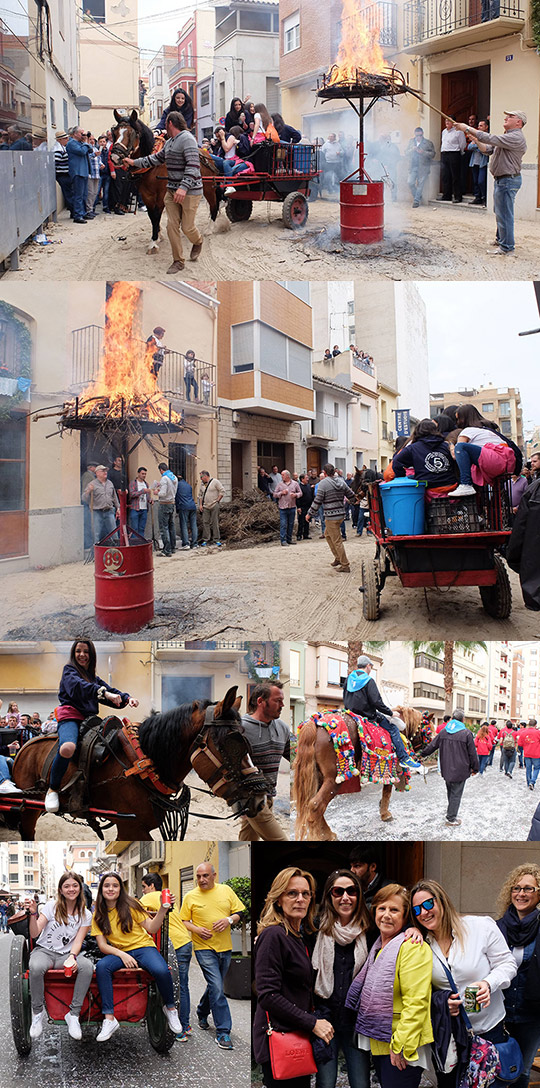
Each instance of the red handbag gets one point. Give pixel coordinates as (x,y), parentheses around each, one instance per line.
(291,1054)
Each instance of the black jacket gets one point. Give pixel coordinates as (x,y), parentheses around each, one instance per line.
(306,500)
(284,982)
(431,460)
(458,756)
(534,833)
(367,702)
(523,549)
(290,135)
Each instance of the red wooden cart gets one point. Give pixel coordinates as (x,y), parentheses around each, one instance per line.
(283,174)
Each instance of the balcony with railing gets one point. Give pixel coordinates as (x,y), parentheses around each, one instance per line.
(380,16)
(362,364)
(324,428)
(197,396)
(427,24)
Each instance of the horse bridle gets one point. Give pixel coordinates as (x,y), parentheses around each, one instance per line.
(220,765)
(119,151)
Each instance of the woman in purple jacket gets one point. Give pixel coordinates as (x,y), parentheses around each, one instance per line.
(80,692)
(283,973)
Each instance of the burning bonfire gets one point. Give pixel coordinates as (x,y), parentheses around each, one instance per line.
(360,69)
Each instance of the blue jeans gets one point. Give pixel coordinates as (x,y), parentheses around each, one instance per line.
(68,733)
(363,518)
(532,767)
(416,180)
(479,174)
(395,737)
(389,1076)
(286,524)
(527,1034)
(147,957)
(482,763)
(104,523)
(214,966)
(80,192)
(183,956)
(137,520)
(191,383)
(228,167)
(322,521)
(66,186)
(466,454)
(508,759)
(357,1062)
(4,769)
(104,190)
(188,518)
(166,527)
(504,195)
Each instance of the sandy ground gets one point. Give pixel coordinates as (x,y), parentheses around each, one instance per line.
(493,807)
(435,241)
(259,592)
(58,829)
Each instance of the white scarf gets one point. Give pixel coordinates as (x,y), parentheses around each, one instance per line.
(323,955)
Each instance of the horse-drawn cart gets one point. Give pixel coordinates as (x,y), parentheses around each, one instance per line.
(136,996)
(463,545)
(283,174)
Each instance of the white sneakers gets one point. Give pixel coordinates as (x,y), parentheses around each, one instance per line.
(173,1021)
(230,189)
(52,801)
(7,786)
(73,1025)
(108,1028)
(463,489)
(36,1026)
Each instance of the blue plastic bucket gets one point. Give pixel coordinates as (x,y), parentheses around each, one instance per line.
(403,506)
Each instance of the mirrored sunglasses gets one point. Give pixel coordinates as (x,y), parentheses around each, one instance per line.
(426,905)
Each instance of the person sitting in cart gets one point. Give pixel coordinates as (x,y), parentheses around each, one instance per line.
(481,451)
(429,456)
(362,696)
(8,747)
(60,930)
(80,692)
(123,931)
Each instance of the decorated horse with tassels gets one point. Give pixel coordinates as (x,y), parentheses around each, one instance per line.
(338,752)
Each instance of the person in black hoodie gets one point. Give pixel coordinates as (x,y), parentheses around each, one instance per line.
(458,760)
(286,133)
(303,504)
(429,455)
(519,900)
(361,696)
(522,550)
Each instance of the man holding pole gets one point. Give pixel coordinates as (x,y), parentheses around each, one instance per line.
(506,152)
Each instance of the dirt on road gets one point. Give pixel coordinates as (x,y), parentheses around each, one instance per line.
(431,242)
(259,592)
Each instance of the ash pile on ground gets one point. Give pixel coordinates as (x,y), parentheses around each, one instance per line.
(250,519)
(397,245)
(172,619)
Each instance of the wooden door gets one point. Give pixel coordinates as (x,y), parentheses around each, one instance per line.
(237,480)
(459,94)
(313,458)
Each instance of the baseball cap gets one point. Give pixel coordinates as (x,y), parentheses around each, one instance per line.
(363,660)
(517,113)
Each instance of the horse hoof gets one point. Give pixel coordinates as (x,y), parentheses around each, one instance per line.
(153,249)
(386,816)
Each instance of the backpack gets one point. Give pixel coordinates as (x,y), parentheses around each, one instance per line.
(509,741)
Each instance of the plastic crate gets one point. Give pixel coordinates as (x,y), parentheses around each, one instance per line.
(446,515)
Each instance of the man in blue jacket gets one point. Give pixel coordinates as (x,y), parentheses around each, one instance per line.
(187,513)
(79,170)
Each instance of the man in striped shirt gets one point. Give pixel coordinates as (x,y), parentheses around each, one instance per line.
(184,187)
(270,740)
(331,494)
(61,166)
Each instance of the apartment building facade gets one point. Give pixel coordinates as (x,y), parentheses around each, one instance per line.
(157,95)
(502,405)
(110,30)
(246,54)
(525,681)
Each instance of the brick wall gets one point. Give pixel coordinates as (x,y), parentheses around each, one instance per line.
(284,311)
(317,36)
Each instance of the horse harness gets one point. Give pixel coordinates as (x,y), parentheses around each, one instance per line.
(217,755)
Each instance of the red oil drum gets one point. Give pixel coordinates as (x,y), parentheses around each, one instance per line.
(362,211)
(124,586)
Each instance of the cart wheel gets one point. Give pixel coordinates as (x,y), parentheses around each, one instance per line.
(159,1032)
(371,594)
(497,599)
(19,995)
(295,210)
(238,210)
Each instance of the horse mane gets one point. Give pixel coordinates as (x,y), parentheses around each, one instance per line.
(164,737)
(412,719)
(146,141)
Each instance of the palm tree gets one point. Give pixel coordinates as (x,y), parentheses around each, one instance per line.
(447,648)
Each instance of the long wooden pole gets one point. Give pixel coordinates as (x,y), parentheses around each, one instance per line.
(424,101)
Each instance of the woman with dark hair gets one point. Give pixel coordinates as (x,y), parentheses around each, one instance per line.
(519,901)
(478,955)
(391,995)
(80,692)
(341,949)
(59,931)
(264,128)
(481,444)
(283,974)
(445,423)
(123,931)
(180,103)
(249,111)
(428,455)
(286,133)
(233,116)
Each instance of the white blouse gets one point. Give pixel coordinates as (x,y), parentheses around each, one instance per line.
(485,955)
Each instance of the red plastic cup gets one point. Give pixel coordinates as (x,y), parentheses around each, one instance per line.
(68,970)
(166,897)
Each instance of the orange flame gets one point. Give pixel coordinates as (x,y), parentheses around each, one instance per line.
(359,50)
(125,371)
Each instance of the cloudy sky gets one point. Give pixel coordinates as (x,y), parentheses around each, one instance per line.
(473,338)
(160,21)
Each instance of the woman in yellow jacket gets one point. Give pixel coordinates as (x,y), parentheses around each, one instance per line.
(392,995)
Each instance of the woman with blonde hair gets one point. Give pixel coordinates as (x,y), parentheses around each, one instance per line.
(472,950)
(283,973)
(59,931)
(519,902)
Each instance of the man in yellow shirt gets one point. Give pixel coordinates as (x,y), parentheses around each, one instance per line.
(208,912)
(151,899)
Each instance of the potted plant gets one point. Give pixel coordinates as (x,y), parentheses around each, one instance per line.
(238,978)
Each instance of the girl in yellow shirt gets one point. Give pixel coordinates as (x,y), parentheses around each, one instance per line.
(123,931)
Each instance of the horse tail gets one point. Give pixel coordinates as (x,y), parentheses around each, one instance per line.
(306,779)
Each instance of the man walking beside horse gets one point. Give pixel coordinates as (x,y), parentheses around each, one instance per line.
(184,187)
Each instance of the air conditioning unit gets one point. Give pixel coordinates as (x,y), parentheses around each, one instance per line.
(151,852)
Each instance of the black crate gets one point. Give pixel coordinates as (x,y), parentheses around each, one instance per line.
(446,515)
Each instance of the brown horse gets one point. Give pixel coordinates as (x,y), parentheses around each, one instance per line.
(133,139)
(315,772)
(169,740)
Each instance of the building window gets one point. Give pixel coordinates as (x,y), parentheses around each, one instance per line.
(350,306)
(190,55)
(65,114)
(504,407)
(487,407)
(506,426)
(52,111)
(291,32)
(183,59)
(243,347)
(13,465)
(474,703)
(159,75)
(423,661)
(294,668)
(94,9)
(205,95)
(365,417)
(460,702)
(333,672)
(421,691)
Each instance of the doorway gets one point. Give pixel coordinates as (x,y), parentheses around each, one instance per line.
(464,93)
(237,474)
(14,486)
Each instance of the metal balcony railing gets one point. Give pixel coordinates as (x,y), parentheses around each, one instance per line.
(219,644)
(87,348)
(360,364)
(382,16)
(325,426)
(425,19)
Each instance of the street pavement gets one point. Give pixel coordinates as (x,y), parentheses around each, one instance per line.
(127,1060)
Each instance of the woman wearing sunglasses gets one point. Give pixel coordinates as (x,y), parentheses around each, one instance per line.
(391,995)
(341,949)
(519,900)
(475,953)
(283,974)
